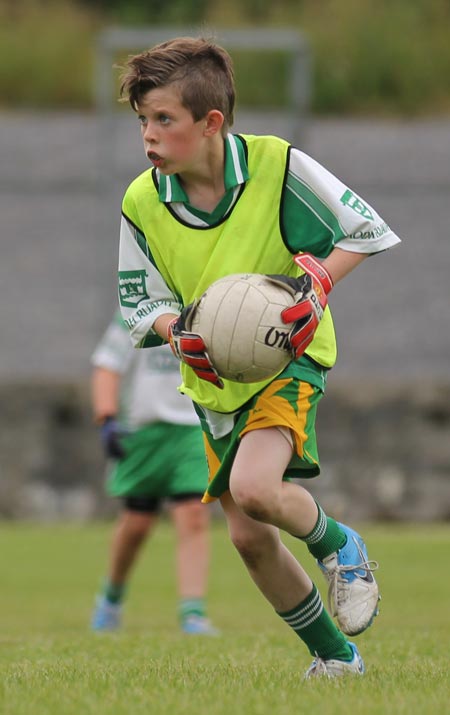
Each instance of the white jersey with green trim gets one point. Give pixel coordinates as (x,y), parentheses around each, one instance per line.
(317,213)
(149,380)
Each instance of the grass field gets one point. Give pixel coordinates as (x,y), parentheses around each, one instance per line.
(51,664)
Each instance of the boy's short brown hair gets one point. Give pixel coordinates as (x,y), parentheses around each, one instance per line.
(202,70)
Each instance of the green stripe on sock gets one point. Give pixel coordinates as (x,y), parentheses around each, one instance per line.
(326,537)
(191,607)
(317,534)
(313,625)
(114,593)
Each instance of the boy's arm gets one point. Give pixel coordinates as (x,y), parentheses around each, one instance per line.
(151,311)
(105,387)
(339,263)
(161,325)
(144,295)
(310,292)
(320,213)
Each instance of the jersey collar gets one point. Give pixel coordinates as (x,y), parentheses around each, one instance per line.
(235,173)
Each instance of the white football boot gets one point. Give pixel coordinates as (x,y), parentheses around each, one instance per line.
(352,592)
(336,668)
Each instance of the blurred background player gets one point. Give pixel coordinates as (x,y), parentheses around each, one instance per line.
(153,435)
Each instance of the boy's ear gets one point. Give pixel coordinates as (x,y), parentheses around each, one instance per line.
(214,122)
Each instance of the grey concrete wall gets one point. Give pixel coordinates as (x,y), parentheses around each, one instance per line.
(61,181)
(385,452)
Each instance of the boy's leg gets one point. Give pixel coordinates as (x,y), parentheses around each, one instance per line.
(352,590)
(132,530)
(257,487)
(289,589)
(133,526)
(191,520)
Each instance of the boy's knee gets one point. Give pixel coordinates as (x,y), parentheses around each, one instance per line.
(191,517)
(258,506)
(136,525)
(196,516)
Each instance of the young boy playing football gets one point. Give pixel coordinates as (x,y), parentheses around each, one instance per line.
(215,203)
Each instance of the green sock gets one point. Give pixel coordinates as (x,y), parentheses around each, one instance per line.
(314,626)
(191,607)
(326,537)
(114,592)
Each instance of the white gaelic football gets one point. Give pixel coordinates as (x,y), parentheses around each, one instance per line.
(239,320)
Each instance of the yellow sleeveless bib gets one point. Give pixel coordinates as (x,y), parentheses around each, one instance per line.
(248,240)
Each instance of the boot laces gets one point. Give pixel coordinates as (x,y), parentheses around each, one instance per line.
(338,592)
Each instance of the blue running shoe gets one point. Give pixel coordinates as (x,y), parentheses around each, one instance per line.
(352,592)
(198,626)
(336,668)
(107,616)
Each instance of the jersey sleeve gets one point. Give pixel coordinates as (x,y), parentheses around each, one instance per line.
(114,351)
(143,293)
(319,212)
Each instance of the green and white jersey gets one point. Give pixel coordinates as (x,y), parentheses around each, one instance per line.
(148,389)
(278,202)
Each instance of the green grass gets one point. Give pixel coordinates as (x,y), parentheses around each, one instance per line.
(50,664)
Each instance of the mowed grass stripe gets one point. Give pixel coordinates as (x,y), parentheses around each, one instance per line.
(51,664)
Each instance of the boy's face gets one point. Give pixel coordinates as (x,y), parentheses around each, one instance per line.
(173,141)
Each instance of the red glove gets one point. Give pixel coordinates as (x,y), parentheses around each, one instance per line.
(310,292)
(190,348)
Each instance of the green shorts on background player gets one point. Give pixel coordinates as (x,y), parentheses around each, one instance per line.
(152,435)
(216,203)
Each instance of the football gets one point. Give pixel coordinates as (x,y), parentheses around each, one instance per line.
(239,320)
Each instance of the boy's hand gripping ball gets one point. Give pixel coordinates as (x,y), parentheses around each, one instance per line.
(247,327)
(190,348)
(239,320)
(311,291)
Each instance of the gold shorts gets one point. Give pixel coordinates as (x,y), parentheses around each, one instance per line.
(286,403)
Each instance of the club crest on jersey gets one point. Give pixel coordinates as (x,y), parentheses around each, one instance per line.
(132,288)
(349,199)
